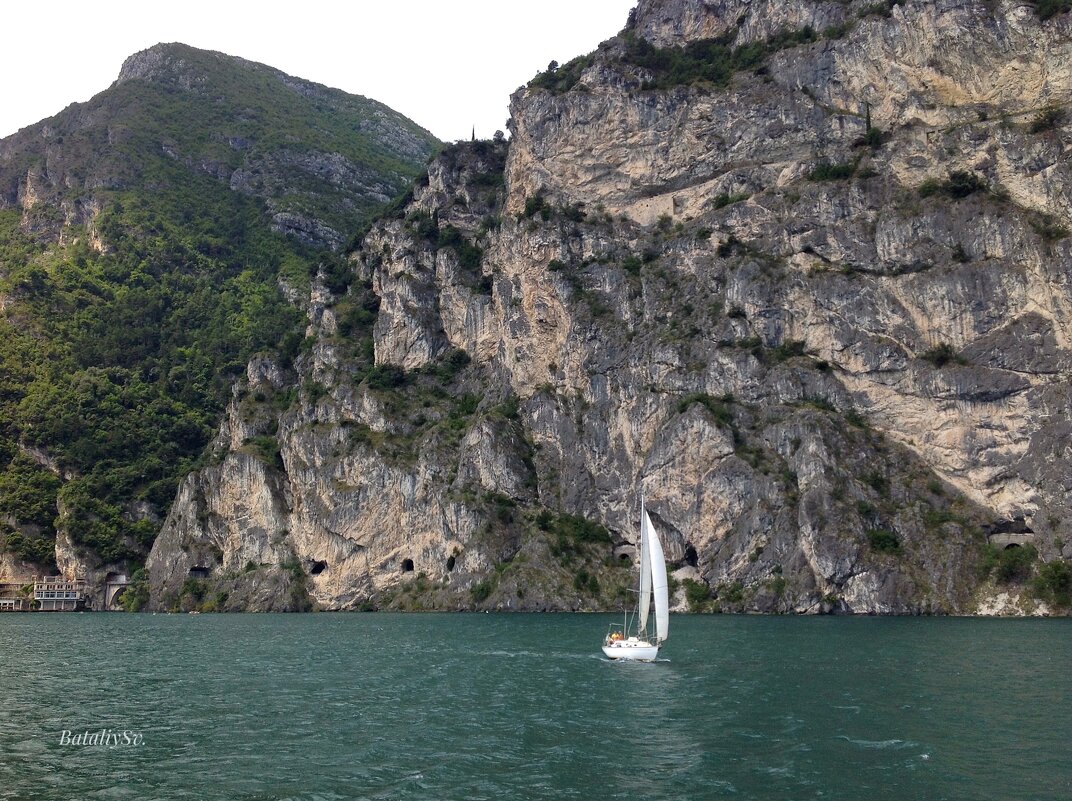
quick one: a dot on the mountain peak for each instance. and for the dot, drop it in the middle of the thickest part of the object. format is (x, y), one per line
(238, 121)
(172, 62)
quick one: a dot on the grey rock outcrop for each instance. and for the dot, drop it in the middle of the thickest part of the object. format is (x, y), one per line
(819, 317)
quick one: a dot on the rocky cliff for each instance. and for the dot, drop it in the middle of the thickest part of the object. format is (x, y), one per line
(797, 273)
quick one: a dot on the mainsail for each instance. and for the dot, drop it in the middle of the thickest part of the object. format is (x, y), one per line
(645, 569)
(657, 567)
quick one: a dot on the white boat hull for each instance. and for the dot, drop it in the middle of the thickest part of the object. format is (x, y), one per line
(637, 651)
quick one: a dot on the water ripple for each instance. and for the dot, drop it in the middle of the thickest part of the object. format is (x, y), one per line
(399, 707)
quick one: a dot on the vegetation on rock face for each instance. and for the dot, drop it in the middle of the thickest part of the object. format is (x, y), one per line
(1050, 582)
(1051, 8)
(136, 595)
(884, 541)
(718, 407)
(1011, 565)
(125, 325)
(697, 595)
(558, 79)
(469, 255)
(1047, 119)
(942, 354)
(726, 199)
(710, 61)
(482, 590)
(34, 548)
(1048, 227)
(832, 172)
(116, 364)
(571, 534)
(957, 186)
(1053, 584)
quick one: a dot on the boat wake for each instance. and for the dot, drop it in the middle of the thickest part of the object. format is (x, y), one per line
(879, 744)
(631, 661)
(514, 654)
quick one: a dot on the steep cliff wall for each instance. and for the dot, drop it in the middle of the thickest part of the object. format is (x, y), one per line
(815, 308)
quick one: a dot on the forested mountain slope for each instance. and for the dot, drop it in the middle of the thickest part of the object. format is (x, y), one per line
(151, 240)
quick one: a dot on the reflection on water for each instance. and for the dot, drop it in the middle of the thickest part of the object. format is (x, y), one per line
(511, 706)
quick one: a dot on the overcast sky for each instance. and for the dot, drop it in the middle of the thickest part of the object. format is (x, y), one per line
(446, 65)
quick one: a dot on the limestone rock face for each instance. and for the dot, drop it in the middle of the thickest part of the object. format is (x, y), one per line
(819, 317)
(15, 570)
(673, 23)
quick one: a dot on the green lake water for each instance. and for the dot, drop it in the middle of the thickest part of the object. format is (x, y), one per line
(385, 706)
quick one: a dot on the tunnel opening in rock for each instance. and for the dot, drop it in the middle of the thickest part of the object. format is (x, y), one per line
(318, 567)
(1012, 545)
(198, 572)
(407, 565)
(691, 557)
(451, 561)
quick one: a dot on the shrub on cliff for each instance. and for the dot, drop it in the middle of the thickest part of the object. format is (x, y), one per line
(1047, 119)
(832, 172)
(883, 541)
(559, 79)
(718, 407)
(1012, 565)
(266, 448)
(470, 256)
(537, 204)
(481, 591)
(136, 594)
(1053, 583)
(1051, 8)
(713, 60)
(697, 595)
(960, 184)
(941, 355)
(37, 550)
(386, 376)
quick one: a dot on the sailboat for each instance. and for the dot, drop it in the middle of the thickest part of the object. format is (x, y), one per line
(619, 643)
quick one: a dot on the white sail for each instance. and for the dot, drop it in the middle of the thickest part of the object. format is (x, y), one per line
(657, 566)
(645, 571)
